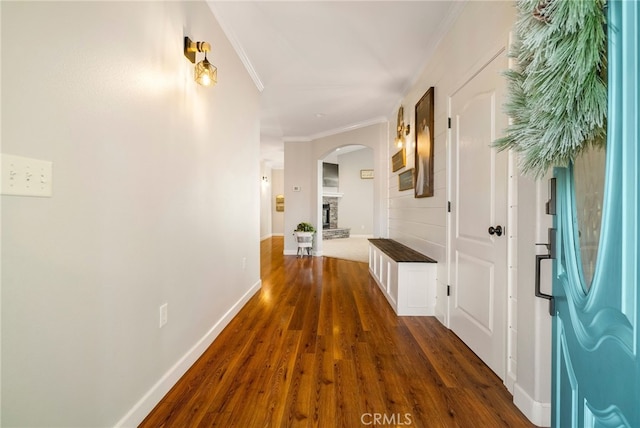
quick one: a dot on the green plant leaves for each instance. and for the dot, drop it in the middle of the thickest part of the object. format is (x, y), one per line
(557, 95)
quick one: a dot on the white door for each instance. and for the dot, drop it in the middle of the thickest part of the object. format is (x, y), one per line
(478, 258)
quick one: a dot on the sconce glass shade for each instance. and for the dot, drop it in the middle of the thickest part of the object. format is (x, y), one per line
(206, 74)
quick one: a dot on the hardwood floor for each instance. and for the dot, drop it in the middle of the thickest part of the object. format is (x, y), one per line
(319, 346)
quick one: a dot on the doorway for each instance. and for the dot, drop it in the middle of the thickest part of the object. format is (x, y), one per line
(478, 222)
(346, 202)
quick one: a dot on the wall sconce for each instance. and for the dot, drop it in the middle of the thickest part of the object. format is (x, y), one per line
(265, 179)
(206, 74)
(402, 130)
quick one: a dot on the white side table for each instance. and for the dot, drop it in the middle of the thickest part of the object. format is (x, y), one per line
(305, 242)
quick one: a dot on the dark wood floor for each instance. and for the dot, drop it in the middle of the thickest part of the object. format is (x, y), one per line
(319, 346)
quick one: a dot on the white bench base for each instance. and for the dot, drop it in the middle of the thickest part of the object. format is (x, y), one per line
(409, 287)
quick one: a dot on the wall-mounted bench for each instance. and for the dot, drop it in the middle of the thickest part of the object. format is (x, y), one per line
(406, 277)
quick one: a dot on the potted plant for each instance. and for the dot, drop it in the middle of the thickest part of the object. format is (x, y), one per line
(304, 236)
(305, 227)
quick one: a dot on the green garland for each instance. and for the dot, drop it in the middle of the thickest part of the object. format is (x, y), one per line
(557, 96)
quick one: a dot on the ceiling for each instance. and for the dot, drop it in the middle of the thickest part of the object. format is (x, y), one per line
(328, 66)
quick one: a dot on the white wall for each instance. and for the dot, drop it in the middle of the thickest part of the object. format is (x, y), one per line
(277, 188)
(297, 190)
(479, 31)
(355, 208)
(155, 199)
(303, 167)
(266, 202)
(532, 392)
(421, 223)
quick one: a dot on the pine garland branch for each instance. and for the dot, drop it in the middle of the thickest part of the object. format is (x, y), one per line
(557, 97)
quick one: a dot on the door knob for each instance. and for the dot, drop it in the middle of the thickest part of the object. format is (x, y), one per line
(495, 230)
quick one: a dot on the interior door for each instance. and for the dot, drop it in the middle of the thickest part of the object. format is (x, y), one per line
(596, 367)
(479, 212)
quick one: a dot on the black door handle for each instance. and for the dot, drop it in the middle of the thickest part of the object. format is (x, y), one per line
(495, 230)
(552, 306)
(551, 246)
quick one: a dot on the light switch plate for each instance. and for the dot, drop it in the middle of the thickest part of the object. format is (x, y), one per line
(164, 315)
(26, 177)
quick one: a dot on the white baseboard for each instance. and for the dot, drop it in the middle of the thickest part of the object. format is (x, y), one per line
(440, 317)
(277, 234)
(510, 382)
(295, 253)
(538, 413)
(142, 408)
(361, 236)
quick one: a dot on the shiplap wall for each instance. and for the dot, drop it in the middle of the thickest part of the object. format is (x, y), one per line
(420, 223)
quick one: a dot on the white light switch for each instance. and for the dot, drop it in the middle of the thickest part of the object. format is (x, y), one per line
(26, 177)
(164, 315)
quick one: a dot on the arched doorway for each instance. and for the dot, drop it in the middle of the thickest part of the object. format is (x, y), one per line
(346, 201)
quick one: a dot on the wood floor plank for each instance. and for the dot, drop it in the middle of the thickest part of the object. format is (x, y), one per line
(319, 346)
(348, 393)
(322, 401)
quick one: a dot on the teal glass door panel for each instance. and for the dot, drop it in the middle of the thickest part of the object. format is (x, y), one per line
(588, 182)
(596, 366)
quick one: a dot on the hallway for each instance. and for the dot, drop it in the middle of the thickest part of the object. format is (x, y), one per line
(320, 346)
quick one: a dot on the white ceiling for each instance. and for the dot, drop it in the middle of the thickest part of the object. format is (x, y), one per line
(327, 66)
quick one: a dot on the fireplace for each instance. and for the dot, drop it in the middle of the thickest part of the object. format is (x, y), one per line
(329, 213)
(326, 216)
(330, 228)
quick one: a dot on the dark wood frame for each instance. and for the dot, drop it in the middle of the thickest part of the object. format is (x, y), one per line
(424, 134)
(406, 180)
(399, 160)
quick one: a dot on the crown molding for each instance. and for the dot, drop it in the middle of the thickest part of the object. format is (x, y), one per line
(335, 131)
(237, 46)
(352, 127)
(443, 30)
(296, 140)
